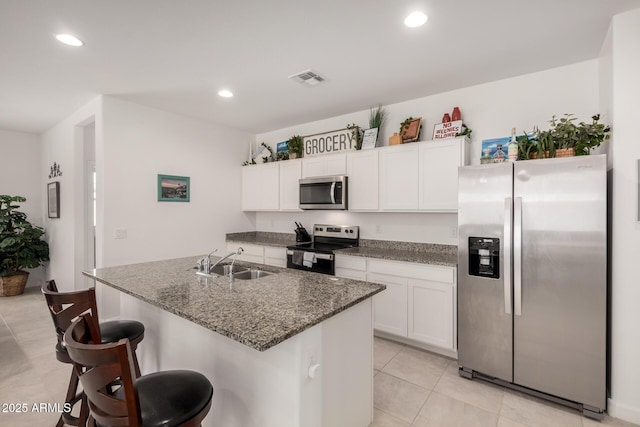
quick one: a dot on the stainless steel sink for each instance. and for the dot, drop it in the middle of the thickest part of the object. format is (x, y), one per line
(251, 274)
(224, 270)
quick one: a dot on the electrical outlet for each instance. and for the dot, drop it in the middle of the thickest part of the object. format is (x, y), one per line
(453, 231)
(121, 233)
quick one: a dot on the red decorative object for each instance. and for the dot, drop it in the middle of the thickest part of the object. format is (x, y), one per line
(455, 115)
(446, 118)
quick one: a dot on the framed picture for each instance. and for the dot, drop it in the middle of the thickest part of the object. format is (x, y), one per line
(411, 130)
(53, 199)
(369, 138)
(173, 188)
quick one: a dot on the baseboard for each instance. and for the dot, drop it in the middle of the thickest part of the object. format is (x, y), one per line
(413, 343)
(623, 412)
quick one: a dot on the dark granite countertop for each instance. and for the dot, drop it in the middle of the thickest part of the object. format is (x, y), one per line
(257, 313)
(423, 253)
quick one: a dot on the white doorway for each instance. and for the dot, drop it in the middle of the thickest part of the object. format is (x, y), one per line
(89, 201)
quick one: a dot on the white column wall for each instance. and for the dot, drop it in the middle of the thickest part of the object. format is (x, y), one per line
(142, 142)
(625, 150)
(20, 175)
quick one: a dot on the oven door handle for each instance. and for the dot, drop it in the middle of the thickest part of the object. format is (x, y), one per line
(318, 256)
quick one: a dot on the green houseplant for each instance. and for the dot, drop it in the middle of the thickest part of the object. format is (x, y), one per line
(21, 246)
(566, 138)
(357, 133)
(295, 146)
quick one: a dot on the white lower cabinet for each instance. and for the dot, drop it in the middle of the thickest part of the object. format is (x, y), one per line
(430, 312)
(419, 302)
(251, 253)
(276, 257)
(351, 267)
(390, 305)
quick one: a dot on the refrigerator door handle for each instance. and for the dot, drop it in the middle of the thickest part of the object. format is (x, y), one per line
(508, 219)
(517, 256)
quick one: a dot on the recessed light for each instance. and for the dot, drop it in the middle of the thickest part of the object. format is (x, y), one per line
(225, 93)
(415, 19)
(69, 39)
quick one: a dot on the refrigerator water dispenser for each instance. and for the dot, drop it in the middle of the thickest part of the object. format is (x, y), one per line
(484, 257)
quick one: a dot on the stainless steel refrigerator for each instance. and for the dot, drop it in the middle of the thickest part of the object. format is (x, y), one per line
(532, 279)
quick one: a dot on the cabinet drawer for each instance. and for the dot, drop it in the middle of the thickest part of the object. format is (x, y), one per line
(351, 274)
(351, 262)
(277, 253)
(412, 270)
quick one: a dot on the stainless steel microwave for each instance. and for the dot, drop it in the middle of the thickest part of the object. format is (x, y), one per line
(324, 192)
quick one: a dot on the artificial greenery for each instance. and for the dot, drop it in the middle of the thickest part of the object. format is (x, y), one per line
(283, 155)
(465, 131)
(357, 133)
(271, 157)
(247, 163)
(21, 244)
(377, 117)
(564, 133)
(295, 145)
(527, 145)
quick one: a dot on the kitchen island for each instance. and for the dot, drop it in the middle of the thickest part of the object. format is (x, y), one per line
(289, 349)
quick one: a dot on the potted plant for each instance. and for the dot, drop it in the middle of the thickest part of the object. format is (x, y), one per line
(376, 118)
(21, 246)
(357, 134)
(295, 146)
(565, 138)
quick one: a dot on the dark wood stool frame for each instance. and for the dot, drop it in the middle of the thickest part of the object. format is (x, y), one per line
(64, 307)
(100, 365)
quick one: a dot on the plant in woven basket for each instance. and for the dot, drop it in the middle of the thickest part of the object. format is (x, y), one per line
(295, 146)
(581, 138)
(21, 243)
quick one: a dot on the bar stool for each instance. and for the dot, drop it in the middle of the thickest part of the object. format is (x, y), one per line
(162, 399)
(66, 306)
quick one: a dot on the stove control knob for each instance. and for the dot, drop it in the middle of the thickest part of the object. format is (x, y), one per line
(351, 231)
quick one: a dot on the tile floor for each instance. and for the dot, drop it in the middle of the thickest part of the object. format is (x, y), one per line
(412, 387)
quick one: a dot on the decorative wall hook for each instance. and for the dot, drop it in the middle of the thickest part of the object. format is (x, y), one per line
(55, 171)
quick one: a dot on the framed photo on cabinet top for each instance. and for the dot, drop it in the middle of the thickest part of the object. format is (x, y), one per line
(53, 199)
(369, 138)
(410, 131)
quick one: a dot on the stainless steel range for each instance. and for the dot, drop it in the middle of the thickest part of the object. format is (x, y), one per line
(318, 256)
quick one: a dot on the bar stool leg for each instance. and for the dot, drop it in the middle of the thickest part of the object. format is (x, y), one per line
(72, 398)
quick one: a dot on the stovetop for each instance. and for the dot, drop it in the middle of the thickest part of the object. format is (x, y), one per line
(328, 238)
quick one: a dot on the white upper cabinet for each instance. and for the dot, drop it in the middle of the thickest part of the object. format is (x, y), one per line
(399, 178)
(362, 172)
(439, 162)
(290, 174)
(261, 187)
(332, 164)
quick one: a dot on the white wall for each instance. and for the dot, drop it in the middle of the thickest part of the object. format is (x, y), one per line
(491, 110)
(20, 175)
(625, 340)
(64, 144)
(140, 143)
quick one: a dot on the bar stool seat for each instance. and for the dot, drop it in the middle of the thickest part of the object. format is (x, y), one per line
(163, 399)
(66, 306)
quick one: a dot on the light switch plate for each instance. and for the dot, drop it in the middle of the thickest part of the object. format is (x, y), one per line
(121, 233)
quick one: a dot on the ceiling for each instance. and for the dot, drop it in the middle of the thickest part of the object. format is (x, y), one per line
(176, 55)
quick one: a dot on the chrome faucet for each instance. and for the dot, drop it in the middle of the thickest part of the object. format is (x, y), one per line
(204, 263)
(230, 254)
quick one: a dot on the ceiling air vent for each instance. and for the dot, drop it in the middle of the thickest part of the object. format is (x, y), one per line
(307, 78)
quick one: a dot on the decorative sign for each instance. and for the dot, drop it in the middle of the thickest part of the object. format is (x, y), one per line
(55, 171)
(447, 130)
(370, 138)
(329, 142)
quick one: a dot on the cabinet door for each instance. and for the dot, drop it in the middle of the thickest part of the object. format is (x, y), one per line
(431, 312)
(334, 164)
(399, 178)
(275, 256)
(390, 305)
(362, 170)
(260, 187)
(439, 162)
(290, 174)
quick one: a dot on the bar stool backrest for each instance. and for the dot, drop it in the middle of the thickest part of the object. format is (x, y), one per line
(99, 366)
(64, 307)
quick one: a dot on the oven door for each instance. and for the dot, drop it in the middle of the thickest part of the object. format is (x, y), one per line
(326, 192)
(325, 263)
